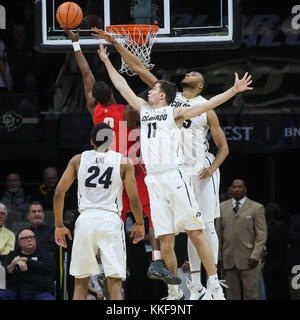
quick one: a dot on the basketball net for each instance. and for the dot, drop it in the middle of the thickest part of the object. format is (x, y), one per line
(138, 39)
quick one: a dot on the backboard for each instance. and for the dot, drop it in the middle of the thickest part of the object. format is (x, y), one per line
(183, 24)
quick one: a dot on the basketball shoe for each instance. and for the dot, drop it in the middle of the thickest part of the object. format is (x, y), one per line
(196, 294)
(214, 290)
(174, 295)
(157, 270)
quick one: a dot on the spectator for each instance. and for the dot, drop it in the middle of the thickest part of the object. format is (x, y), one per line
(5, 75)
(22, 61)
(28, 271)
(44, 233)
(45, 191)
(15, 197)
(7, 237)
(242, 234)
(275, 269)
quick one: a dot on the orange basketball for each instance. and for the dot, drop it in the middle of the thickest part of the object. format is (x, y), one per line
(69, 15)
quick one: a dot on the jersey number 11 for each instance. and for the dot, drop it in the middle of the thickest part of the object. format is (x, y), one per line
(150, 125)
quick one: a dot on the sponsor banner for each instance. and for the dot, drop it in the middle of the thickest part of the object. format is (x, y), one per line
(261, 133)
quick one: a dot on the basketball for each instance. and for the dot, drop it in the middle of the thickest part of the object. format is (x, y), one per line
(69, 15)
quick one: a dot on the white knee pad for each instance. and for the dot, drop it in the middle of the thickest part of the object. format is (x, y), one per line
(212, 238)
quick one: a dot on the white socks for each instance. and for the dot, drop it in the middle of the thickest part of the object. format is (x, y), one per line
(156, 255)
(213, 279)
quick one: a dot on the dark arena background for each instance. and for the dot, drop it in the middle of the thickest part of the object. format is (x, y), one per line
(44, 120)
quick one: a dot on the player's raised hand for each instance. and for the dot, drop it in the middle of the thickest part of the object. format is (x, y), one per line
(73, 36)
(102, 52)
(241, 85)
(101, 34)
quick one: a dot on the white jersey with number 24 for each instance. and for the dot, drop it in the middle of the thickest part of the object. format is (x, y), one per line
(99, 182)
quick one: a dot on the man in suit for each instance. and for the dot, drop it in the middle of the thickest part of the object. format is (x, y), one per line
(242, 232)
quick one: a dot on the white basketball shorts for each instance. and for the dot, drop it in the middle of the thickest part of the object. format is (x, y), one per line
(172, 202)
(207, 191)
(101, 229)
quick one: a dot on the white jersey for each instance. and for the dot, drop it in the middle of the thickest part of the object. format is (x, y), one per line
(194, 141)
(160, 139)
(99, 182)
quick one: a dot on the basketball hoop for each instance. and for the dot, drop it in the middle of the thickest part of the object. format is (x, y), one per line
(138, 39)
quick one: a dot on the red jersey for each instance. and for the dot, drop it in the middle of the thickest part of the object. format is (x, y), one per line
(124, 140)
(113, 115)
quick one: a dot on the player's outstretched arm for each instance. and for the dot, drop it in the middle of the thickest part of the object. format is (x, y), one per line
(138, 230)
(87, 75)
(240, 85)
(119, 81)
(134, 63)
(62, 187)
